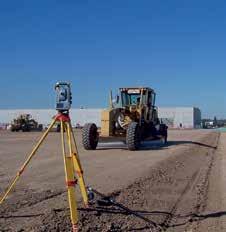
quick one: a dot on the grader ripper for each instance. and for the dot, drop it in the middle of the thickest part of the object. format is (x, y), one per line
(132, 118)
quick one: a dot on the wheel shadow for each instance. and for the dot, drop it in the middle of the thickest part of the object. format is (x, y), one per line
(151, 145)
(172, 143)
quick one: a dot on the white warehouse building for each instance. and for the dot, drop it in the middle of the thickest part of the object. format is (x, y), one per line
(181, 117)
(174, 117)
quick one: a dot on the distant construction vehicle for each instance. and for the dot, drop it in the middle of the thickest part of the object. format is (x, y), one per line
(25, 123)
(132, 118)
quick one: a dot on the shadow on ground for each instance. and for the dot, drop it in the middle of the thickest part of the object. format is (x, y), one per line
(150, 145)
(187, 218)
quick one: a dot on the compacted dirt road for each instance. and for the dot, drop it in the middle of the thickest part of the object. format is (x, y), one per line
(178, 187)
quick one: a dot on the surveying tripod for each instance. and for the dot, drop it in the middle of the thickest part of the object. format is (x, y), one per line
(72, 165)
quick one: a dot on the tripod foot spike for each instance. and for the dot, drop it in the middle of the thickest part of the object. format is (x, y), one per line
(75, 228)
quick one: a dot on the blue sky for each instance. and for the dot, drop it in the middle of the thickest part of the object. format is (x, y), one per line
(178, 47)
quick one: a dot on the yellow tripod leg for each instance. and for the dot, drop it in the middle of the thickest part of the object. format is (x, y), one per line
(9, 189)
(71, 182)
(75, 147)
(77, 165)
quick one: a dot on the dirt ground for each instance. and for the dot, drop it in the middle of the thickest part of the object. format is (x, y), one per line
(178, 187)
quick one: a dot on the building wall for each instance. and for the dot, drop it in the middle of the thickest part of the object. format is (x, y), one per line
(44, 116)
(188, 117)
(176, 117)
(184, 117)
(167, 115)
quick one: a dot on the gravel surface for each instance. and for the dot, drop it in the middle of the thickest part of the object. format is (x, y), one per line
(177, 187)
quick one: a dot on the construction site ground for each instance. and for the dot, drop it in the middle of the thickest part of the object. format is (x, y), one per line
(179, 187)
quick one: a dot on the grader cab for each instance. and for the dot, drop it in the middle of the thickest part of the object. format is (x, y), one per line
(132, 117)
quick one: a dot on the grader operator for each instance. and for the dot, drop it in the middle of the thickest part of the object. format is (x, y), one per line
(133, 118)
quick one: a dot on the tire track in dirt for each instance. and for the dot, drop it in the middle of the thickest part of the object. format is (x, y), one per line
(168, 221)
(199, 188)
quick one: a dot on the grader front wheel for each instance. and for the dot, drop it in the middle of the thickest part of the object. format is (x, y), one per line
(90, 136)
(133, 136)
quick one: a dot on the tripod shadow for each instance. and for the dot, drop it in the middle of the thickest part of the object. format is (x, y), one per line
(187, 218)
(196, 218)
(115, 211)
(21, 216)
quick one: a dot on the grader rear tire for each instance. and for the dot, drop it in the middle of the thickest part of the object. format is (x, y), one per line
(133, 136)
(90, 136)
(164, 139)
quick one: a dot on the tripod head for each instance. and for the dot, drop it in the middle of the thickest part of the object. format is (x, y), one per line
(63, 96)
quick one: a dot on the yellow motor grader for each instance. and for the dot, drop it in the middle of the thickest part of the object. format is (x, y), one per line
(25, 123)
(131, 118)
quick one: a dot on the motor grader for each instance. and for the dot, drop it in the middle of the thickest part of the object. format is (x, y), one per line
(132, 117)
(25, 123)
